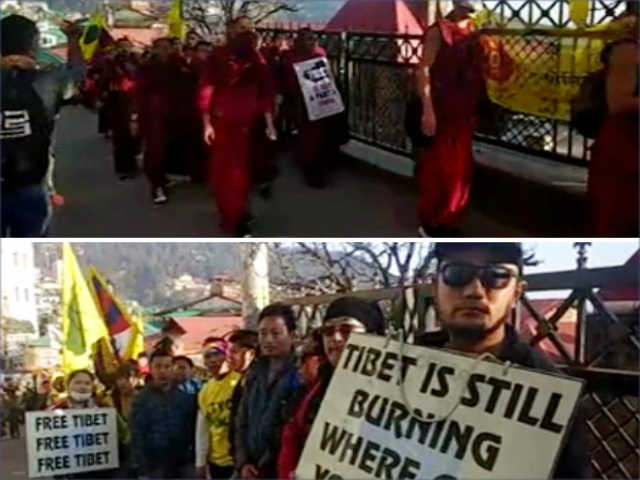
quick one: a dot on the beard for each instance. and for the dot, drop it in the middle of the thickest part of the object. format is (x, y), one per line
(469, 331)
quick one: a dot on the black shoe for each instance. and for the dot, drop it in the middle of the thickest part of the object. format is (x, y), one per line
(243, 230)
(266, 191)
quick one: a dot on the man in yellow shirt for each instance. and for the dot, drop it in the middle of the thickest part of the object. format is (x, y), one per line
(213, 446)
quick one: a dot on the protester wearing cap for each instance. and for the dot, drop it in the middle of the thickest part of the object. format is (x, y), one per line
(477, 286)
(344, 316)
(213, 448)
(215, 356)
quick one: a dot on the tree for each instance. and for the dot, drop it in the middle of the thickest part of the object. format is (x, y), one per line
(197, 12)
(321, 268)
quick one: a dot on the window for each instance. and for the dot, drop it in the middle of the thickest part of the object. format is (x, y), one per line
(17, 294)
(26, 294)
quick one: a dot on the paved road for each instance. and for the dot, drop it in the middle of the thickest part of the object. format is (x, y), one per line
(361, 202)
(13, 459)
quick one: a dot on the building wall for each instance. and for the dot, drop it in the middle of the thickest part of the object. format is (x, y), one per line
(18, 282)
(41, 358)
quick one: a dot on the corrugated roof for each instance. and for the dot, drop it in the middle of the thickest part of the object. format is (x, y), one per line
(191, 331)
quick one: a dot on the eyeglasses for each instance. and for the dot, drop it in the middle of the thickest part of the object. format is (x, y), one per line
(490, 276)
(344, 329)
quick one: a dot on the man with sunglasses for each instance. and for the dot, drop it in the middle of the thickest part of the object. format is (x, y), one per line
(477, 287)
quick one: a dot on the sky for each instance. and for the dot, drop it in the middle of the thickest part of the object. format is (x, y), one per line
(560, 255)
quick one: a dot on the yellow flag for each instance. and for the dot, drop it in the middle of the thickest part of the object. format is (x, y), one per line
(177, 25)
(136, 347)
(82, 325)
(91, 36)
(579, 12)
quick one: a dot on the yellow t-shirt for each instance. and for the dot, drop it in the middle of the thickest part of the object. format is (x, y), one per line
(214, 401)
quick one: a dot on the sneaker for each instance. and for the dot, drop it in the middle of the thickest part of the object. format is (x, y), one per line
(159, 196)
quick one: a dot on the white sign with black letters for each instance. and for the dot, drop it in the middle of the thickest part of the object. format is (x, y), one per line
(60, 442)
(321, 96)
(492, 421)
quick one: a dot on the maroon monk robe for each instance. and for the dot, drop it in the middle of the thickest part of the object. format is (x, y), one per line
(122, 72)
(445, 166)
(318, 141)
(236, 94)
(155, 90)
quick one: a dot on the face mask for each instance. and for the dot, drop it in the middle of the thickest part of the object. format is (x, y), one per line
(81, 397)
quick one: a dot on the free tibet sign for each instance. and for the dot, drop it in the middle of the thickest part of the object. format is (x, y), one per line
(458, 418)
(321, 96)
(61, 442)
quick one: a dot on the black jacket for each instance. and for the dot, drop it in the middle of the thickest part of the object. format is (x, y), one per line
(573, 461)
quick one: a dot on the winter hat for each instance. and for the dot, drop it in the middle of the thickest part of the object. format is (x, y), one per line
(368, 313)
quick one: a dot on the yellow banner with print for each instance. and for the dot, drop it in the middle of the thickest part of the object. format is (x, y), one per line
(540, 72)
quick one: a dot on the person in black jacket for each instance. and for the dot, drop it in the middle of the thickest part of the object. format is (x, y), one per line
(31, 99)
(163, 425)
(477, 287)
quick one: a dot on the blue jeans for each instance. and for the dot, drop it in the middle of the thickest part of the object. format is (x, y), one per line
(26, 212)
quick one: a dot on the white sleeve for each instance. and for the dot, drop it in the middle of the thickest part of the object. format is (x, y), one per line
(202, 440)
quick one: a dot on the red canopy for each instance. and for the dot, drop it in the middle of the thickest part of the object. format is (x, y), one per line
(380, 16)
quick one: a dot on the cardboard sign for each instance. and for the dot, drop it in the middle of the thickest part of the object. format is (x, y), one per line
(321, 96)
(60, 442)
(491, 422)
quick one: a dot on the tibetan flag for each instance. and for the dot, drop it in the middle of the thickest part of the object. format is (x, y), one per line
(92, 35)
(579, 12)
(175, 19)
(82, 325)
(123, 330)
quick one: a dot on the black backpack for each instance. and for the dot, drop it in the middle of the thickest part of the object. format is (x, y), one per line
(25, 130)
(589, 107)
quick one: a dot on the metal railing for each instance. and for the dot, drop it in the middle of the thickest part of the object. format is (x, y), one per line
(610, 400)
(375, 73)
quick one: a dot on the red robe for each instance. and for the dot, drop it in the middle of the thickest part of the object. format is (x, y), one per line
(613, 178)
(318, 140)
(445, 166)
(236, 93)
(122, 72)
(160, 103)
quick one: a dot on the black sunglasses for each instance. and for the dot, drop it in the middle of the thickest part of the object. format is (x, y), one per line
(490, 276)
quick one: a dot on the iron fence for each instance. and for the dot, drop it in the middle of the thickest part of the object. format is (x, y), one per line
(610, 400)
(375, 73)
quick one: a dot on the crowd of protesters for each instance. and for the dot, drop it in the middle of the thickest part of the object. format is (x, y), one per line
(215, 113)
(194, 111)
(197, 111)
(249, 412)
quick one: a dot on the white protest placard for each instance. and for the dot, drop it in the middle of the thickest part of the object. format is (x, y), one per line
(492, 421)
(60, 442)
(321, 96)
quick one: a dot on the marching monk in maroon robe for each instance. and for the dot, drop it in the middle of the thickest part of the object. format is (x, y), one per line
(157, 89)
(450, 84)
(236, 101)
(122, 72)
(613, 170)
(319, 140)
